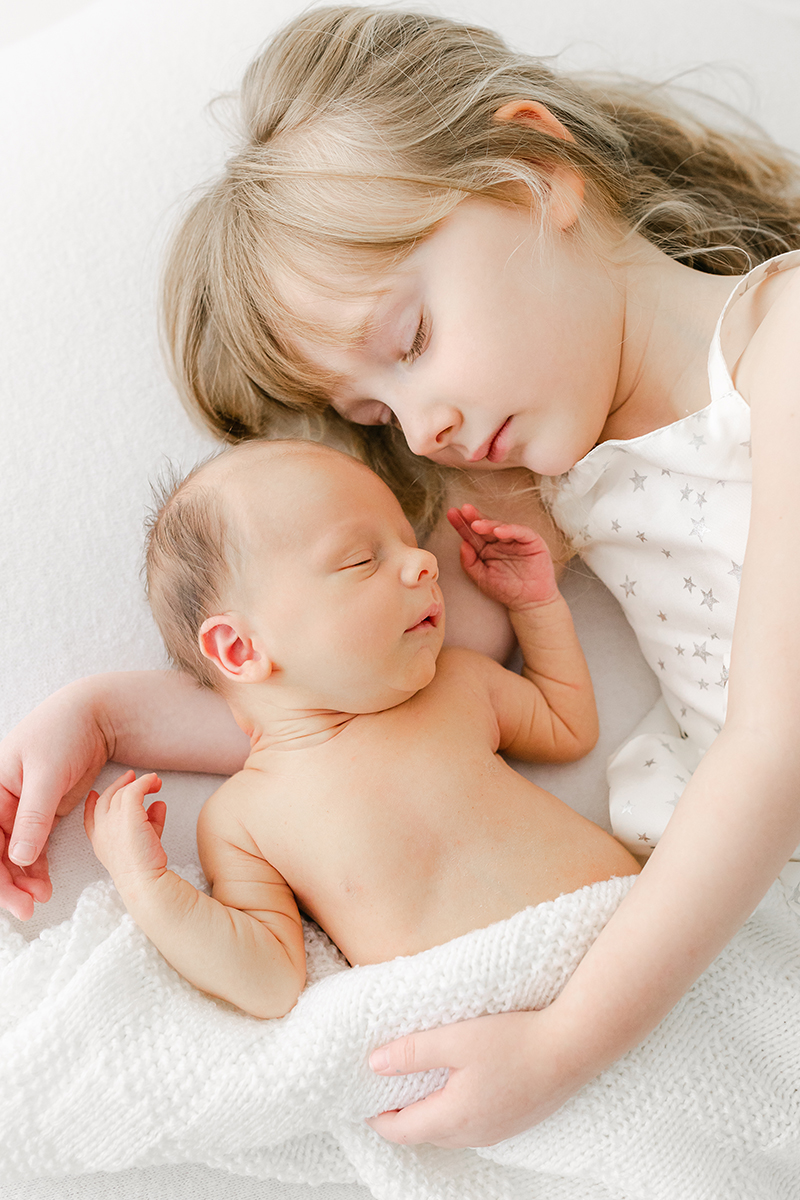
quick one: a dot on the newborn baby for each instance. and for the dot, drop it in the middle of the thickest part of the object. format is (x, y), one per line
(285, 575)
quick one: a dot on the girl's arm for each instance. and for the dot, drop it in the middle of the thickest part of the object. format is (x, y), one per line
(733, 830)
(155, 719)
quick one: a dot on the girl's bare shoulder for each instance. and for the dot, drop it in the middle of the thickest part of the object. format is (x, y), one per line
(770, 362)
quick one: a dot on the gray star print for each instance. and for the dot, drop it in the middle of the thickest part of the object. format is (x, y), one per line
(638, 481)
(698, 440)
(689, 583)
(701, 652)
(629, 585)
(686, 492)
(701, 499)
(698, 528)
(736, 570)
(709, 599)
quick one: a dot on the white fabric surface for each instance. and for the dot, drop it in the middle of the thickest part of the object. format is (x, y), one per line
(103, 127)
(141, 1069)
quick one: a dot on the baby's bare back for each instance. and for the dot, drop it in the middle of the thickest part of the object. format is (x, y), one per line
(408, 828)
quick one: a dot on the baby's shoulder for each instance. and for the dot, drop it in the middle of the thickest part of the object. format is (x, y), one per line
(224, 812)
(459, 667)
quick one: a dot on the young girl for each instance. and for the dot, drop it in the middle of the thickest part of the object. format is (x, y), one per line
(431, 236)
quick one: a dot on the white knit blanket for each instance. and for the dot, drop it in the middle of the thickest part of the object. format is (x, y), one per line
(108, 1060)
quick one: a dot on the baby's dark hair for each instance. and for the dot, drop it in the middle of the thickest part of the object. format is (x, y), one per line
(187, 567)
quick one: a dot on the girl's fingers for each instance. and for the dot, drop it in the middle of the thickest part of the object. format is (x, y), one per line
(39, 797)
(88, 813)
(415, 1052)
(420, 1122)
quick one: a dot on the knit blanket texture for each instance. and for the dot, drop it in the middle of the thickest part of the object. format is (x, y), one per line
(109, 1060)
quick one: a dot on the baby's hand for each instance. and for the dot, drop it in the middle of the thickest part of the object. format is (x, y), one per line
(510, 563)
(125, 836)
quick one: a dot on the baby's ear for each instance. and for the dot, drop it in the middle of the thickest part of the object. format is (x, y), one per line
(227, 641)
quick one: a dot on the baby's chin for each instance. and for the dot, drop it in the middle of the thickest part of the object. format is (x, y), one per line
(383, 695)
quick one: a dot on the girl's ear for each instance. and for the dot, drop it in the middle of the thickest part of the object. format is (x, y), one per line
(227, 642)
(567, 185)
(531, 112)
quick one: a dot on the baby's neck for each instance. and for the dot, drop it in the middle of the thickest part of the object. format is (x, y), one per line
(275, 726)
(284, 730)
(278, 715)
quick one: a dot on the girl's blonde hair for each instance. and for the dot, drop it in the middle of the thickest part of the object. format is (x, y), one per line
(364, 128)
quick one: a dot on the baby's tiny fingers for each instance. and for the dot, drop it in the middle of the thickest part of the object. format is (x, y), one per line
(119, 783)
(509, 533)
(157, 815)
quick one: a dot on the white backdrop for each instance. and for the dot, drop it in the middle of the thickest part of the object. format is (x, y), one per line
(104, 129)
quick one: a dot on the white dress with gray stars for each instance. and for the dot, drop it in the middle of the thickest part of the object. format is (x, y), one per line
(662, 519)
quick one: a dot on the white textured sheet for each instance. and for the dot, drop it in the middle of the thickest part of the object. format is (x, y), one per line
(103, 128)
(141, 1069)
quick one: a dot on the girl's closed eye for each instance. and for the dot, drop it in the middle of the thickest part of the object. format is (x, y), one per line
(420, 343)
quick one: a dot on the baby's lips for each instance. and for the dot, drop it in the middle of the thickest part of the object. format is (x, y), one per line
(433, 613)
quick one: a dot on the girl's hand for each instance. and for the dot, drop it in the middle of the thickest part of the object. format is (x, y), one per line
(507, 1072)
(46, 764)
(125, 836)
(509, 563)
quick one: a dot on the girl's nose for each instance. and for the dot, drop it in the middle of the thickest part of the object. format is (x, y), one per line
(430, 431)
(420, 566)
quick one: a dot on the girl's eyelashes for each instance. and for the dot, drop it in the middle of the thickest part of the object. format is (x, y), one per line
(420, 342)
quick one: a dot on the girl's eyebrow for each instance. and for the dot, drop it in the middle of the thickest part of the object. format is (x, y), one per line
(380, 315)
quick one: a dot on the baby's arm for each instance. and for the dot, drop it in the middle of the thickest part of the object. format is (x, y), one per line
(555, 720)
(244, 943)
(147, 718)
(474, 619)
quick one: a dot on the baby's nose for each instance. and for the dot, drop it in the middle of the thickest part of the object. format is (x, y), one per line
(419, 566)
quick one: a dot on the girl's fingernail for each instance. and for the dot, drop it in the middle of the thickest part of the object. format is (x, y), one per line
(379, 1059)
(23, 853)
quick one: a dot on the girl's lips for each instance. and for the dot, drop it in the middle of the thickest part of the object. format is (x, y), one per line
(493, 449)
(499, 447)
